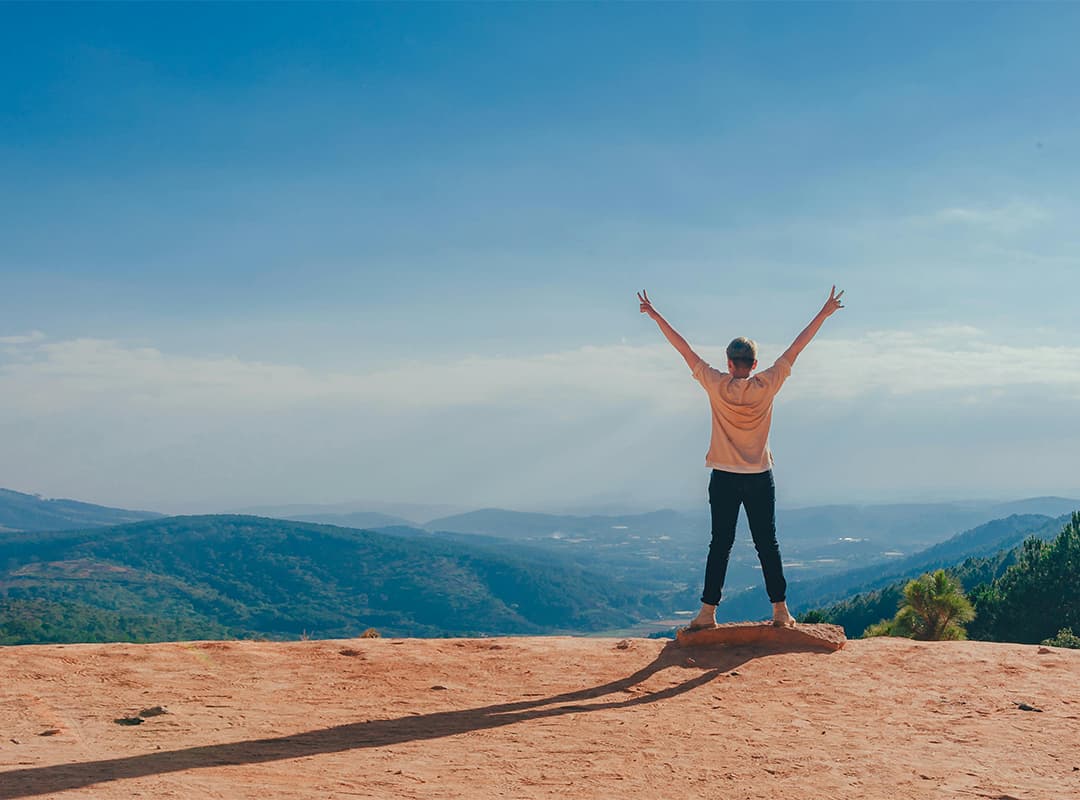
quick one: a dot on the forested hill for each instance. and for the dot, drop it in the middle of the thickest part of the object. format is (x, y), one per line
(256, 576)
(1026, 594)
(983, 541)
(29, 512)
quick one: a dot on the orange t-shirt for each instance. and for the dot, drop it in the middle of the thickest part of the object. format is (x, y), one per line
(741, 416)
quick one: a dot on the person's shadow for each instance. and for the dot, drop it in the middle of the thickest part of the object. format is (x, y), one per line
(707, 663)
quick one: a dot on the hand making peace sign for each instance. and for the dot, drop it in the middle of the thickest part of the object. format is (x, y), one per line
(646, 304)
(833, 303)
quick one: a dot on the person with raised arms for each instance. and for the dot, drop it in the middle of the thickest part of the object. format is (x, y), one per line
(739, 455)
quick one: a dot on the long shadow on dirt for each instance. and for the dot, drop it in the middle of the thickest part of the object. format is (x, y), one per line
(707, 663)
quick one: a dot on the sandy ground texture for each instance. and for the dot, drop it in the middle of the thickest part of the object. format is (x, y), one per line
(539, 717)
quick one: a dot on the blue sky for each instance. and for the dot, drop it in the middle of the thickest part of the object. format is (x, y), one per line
(388, 253)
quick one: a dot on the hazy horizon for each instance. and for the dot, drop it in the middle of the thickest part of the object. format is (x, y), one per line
(266, 254)
(420, 513)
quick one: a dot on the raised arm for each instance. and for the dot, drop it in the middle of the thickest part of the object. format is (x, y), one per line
(672, 335)
(803, 339)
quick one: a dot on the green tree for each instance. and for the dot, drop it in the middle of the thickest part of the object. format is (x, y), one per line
(1037, 596)
(1065, 638)
(934, 608)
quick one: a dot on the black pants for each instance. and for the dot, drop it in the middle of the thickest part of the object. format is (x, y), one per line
(757, 493)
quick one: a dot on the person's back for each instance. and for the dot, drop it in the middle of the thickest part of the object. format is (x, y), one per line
(739, 455)
(741, 414)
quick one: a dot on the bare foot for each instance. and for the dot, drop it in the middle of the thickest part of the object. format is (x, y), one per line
(706, 618)
(781, 617)
(701, 625)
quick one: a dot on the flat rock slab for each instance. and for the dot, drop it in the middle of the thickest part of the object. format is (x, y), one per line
(818, 636)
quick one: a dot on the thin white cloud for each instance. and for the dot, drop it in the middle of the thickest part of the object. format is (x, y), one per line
(1009, 218)
(934, 360)
(87, 372)
(67, 374)
(28, 338)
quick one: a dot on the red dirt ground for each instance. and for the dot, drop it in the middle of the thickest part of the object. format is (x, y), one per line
(540, 717)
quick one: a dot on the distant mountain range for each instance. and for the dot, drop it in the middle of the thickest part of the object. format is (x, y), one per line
(909, 525)
(31, 512)
(364, 520)
(404, 513)
(664, 550)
